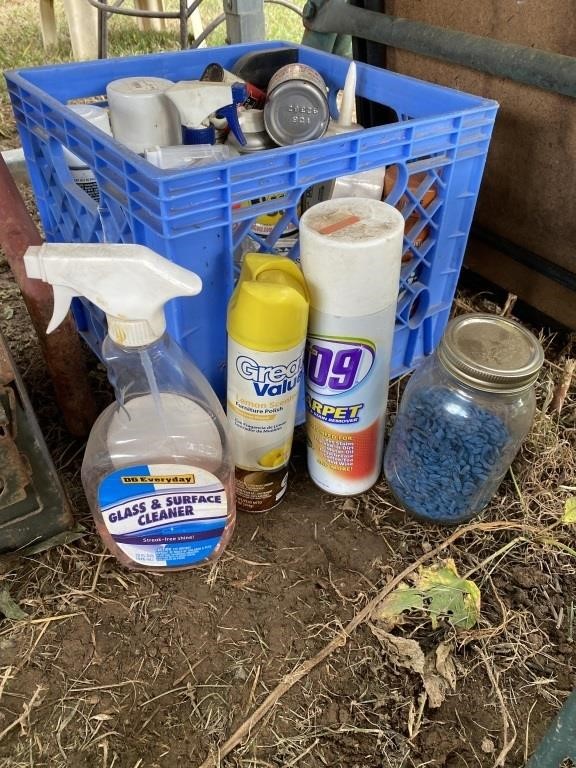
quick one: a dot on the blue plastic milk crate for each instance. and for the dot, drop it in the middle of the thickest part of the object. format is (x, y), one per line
(199, 218)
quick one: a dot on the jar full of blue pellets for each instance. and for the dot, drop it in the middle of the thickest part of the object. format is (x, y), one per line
(462, 419)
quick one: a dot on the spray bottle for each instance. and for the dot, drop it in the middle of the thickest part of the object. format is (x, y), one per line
(205, 107)
(361, 184)
(350, 251)
(157, 471)
(267, 319)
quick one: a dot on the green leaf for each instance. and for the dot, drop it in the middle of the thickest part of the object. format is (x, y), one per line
(440, 592)
(449, 596)
(569, 515)
(404, 598)
(9, 608)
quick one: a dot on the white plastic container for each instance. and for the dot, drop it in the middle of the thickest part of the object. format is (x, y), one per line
(141, 114)
(368, 183)
(81, 173)
(350, 251)
(189, 155)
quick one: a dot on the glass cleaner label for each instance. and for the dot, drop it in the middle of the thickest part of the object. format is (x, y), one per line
(164, 515)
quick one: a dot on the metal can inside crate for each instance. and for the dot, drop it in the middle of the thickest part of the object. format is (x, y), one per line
(296, 108)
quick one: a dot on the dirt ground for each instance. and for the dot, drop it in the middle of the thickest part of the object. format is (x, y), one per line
(120, 670)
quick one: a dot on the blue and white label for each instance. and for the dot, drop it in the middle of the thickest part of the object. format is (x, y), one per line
(337, 365)
(164, 515)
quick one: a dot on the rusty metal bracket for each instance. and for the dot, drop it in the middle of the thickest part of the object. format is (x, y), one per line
(33, 505)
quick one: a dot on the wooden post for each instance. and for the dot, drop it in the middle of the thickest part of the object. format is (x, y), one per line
(83, 24)
(48, 23)
(147, 24)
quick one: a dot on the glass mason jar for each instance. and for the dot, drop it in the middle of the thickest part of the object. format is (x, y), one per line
(462, 419)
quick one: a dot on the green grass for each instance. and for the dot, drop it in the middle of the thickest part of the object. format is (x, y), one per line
(21, 41)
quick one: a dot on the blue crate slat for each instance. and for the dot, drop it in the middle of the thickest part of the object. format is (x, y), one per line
(199, 218)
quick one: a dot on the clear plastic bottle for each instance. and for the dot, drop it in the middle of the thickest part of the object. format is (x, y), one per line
(462, 419)
(166, 421)
(158, 471)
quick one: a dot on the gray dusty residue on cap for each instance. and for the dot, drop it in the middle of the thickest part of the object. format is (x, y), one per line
(498, 348)
(371, 224)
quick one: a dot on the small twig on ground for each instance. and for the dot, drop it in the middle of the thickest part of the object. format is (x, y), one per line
(499, 552)
(509, 305)
(25, 713)
(47, 620)
(527, 736)
(507, 721)
(5, 678)
(563, 386)
(302, 669)
(518, 491)
(299, 757)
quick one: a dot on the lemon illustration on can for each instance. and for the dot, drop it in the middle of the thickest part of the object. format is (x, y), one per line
(275, 458)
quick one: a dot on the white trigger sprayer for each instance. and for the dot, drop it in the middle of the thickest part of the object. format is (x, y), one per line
(203, 104)
(130, 283)
(157, 472)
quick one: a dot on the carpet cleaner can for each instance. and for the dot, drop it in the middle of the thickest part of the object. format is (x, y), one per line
(267, 320)
(350, 251)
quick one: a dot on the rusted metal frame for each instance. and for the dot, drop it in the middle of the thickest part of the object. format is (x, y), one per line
(62, 350)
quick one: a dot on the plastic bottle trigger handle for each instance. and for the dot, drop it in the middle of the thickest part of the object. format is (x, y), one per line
(130, 283)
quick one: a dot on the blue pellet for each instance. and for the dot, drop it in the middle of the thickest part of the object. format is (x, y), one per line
(449, 453)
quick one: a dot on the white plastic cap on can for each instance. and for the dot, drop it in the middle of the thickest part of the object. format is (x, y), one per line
(141, 114)
(351, 253)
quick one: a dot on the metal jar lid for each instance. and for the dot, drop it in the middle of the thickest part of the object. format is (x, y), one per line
(491, 353)
(296, 111)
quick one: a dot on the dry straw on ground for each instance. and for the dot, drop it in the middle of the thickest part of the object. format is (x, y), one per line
(74, 694)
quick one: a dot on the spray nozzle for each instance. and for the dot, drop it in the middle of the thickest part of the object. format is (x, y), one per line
(345, 123)
(130, 283)
(197, 101)
(348, 97)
